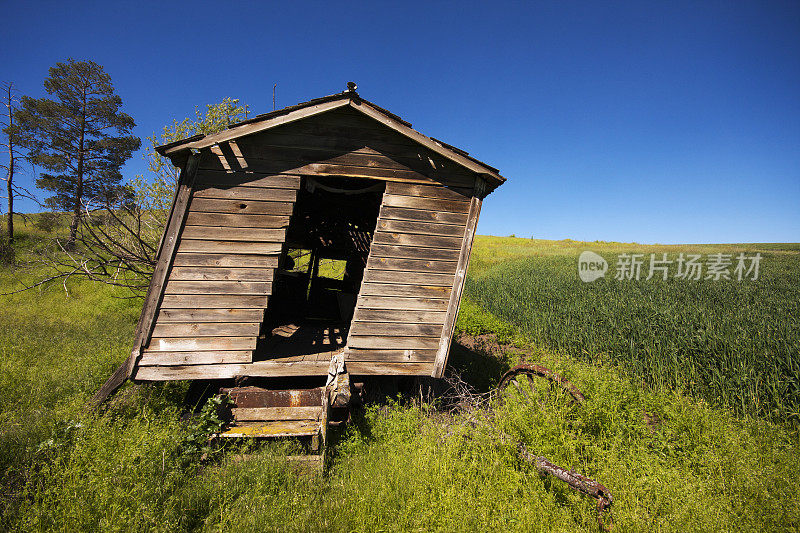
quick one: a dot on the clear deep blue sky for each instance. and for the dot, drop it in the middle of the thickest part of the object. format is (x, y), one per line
(651, 122)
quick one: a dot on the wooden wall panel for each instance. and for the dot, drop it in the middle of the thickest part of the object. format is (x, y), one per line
(458, 285)
(218, 289)
(403, 303)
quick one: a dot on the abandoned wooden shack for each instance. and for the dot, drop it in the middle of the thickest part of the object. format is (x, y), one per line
(326, 230)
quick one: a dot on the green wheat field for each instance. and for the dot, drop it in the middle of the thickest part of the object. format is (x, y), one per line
(691, 418)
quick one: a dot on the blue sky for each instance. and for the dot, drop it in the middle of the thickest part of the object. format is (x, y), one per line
(650, 122)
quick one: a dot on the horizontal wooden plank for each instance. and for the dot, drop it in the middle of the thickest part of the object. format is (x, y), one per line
(237, 221)
(411, 265)
(399, 356)
(240, 207)
(413, 252)
(294, 167)
(394, 343)
(370, 368)
(422, 215)
(237, 192)
(226, 260)
(182, 273)
(406, 291)
(398, 303)
(227, 371)
(247, 179)
(206, 329)
(268, 369)
(259, 156)
(214, 301)
(154, 358)
(407, 316)
(395, 329)
(429, 191)
(409, 278)
(234, 234)
(210, 315)
(223, 371)
(433, 204)
(275, 428)
(408, 239)
(422, 228)
(177, 344)
(218, 287)
(249, 414)
(186, 372)
(229, 247)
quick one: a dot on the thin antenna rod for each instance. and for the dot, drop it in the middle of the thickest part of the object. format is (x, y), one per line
(273, 96)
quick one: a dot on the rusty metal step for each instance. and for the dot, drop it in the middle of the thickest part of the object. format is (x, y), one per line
(260, 397)
(277, 413)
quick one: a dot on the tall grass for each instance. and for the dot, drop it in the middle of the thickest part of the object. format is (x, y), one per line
(404, 468)
(734, 343)
(671, 462)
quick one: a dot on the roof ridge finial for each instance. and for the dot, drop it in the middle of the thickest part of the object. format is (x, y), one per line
(351, 86)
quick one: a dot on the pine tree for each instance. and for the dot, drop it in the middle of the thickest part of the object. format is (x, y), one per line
(117, 238)
(72, 137)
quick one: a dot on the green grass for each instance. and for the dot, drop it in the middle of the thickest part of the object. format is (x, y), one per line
(733, 343)
(400, 467)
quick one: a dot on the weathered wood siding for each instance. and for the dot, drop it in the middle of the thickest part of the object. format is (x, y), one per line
(339, 143)
(221, 276)
(220, 280)
(403, 304)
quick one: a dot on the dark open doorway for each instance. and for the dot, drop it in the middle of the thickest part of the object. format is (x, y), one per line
(320, 272)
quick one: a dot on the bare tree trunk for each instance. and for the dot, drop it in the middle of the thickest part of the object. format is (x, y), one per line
(9, 181)
(76, 210)
(11, 163)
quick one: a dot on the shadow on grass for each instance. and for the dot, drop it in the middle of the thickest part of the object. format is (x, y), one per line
(476, 364)
(480, 362)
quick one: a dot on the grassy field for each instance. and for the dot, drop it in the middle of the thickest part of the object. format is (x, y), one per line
(734, 343)
(672, 459)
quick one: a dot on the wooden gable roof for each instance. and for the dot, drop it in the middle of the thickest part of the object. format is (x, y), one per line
(178, 151)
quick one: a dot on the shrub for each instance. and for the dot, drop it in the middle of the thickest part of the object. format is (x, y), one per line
(47, 221)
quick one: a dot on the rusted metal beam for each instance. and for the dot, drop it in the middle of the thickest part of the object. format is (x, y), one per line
(249, 397)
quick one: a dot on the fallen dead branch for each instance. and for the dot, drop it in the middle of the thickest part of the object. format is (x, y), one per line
(460, 396)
